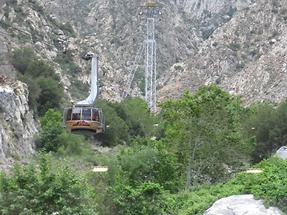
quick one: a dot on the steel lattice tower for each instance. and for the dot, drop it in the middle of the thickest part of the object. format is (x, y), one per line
(150, 57)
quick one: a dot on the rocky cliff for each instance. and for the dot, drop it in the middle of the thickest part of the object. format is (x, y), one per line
(61, 30)
(17, 126)
(246, 56)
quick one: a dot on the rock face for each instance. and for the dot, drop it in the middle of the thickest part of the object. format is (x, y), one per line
(241, 205)
(116, 31)
(17, 126)
(238, 44)
(246, 56)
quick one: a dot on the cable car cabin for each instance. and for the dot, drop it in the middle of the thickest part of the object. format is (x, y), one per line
(84, 120)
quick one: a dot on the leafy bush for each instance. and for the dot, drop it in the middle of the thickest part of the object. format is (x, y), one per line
(135, 112)
(44, 89)
(131, 168)
(51, 130)
(66, 62)
(51, 95)
(67, 28)
(267, 126)
(147, 198)
(21, 59)
(116, 128)
(269, 186)
(125, 121)
(142, 163)
(54, 138)
(45, 189)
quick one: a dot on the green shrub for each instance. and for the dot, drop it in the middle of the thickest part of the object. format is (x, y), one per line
(126, 121)
(68, 29)
(51, 95)
(21, 59)
(147, 198)
(267, 126)
(116, 128)
(44, 89)
(54, 138)
(67, 64)
(51, 130)
(135, 112)
(269, 186)
(45, 188)
(151, 162)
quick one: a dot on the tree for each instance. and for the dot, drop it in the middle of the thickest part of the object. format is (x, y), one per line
(52, 128)
(267, 126)
(135, 112)
(204, 131)
(126, 121)
(51, 95)
(116, 128)
(45, 91)
(54, 138)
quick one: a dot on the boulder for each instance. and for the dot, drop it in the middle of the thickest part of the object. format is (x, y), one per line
(241, 205)
(282, 152)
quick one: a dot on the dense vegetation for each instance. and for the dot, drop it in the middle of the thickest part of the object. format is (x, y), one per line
(176, 162)
(45, 91)
(47, 188)
(269, 186)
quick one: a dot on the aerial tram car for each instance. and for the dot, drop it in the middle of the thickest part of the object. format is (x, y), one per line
(83, 117)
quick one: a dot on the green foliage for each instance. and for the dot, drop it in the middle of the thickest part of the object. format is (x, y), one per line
(116, 128)
(267, 126)
(126, 120)
(67, 64)
(203, 130)
(147, 198)
(44, 89)
(51, 95)
(269, 186)
(51, 130)
(44, 189)
(21, 59)
(130, 170)
(134, 111)
(53, 137)
(142, 163)
(67, 28)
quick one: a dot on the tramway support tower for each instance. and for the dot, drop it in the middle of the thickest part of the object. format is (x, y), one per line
(150, 11)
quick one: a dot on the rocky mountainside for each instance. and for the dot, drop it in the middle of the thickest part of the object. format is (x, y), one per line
(186, 32)
(17, 126)
(246, 56)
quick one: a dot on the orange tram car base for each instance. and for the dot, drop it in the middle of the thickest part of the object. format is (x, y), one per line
(84, 120)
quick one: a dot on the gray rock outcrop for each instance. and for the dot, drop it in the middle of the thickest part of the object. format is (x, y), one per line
(241, 205)
(17, 126)
(282, 152)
